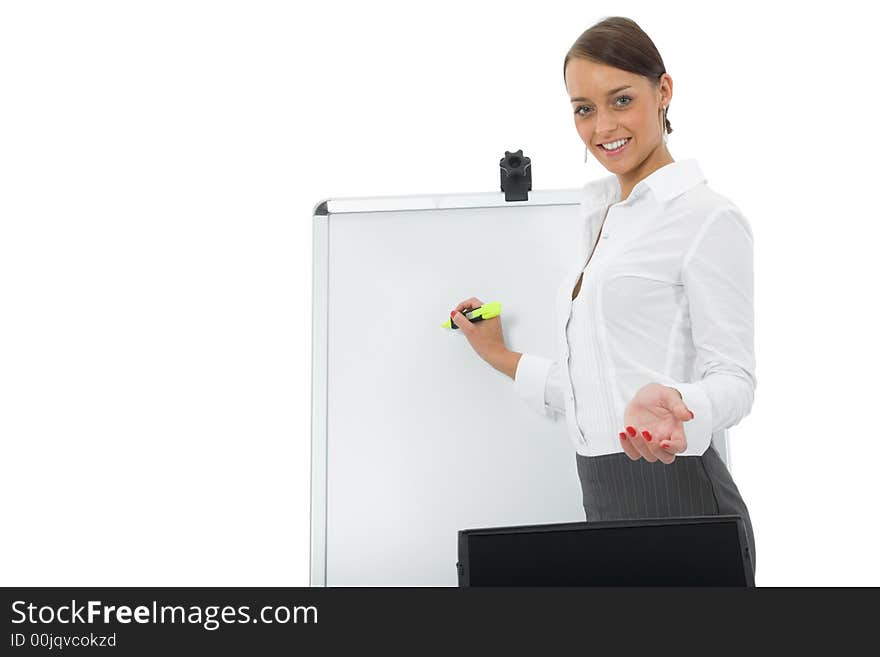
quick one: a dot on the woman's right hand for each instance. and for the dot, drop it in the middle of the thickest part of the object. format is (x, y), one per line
(486, 336)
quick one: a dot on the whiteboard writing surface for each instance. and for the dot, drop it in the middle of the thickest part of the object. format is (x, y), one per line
(414, 436)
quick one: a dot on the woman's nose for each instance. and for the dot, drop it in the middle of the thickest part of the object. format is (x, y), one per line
(605, 124)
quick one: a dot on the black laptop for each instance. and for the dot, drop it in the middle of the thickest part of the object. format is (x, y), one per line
(692, 551)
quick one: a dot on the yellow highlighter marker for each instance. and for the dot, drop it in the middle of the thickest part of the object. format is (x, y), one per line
(486, 311)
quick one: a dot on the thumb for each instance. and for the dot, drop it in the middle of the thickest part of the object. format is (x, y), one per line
(681, 411)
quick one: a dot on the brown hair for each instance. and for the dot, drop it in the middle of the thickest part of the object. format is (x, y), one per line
(618, 41)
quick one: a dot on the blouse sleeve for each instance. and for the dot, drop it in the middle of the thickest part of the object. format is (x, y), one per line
(538, 381)
(717, 273)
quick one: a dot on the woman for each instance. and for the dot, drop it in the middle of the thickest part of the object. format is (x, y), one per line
(656, 332)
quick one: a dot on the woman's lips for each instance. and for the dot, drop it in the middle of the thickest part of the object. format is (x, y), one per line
(618, 151)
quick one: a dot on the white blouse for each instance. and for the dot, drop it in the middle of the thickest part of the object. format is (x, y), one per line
(666, 297)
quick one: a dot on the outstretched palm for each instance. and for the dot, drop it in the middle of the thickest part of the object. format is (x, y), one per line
(657, 415)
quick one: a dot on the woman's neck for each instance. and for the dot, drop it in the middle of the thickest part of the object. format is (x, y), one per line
(659, 158)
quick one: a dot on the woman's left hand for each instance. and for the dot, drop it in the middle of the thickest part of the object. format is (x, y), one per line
(654, 422)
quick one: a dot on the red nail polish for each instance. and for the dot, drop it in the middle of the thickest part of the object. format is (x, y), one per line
(631, 431)
(622, 436)
(647, 436)
(692, 415)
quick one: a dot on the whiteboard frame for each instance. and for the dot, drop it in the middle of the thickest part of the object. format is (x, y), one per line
(441, 201)
(320, 313)
(318, 484)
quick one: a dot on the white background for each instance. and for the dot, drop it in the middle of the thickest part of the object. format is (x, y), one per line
(159, 162)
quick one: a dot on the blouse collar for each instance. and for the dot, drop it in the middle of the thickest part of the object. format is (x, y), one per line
(666, 183)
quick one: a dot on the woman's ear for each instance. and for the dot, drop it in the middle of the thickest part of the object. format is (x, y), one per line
(665, 90)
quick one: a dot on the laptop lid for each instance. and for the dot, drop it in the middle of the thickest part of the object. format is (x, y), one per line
(692, 551)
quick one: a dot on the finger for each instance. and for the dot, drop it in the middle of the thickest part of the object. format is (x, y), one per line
(637, 442)
(640, 443)
(662, 454)
(628, 447)
(463, 307)
(461, 321)
(468, 304)
(677, 442)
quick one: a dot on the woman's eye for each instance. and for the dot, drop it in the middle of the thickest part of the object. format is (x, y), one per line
(584, 107)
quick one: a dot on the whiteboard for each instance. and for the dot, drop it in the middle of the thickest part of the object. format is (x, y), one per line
(414, 436)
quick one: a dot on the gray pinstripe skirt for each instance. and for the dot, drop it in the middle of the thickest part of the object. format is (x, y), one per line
(616, 487)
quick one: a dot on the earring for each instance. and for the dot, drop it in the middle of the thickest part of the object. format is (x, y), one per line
(665, 140)
(586, 152)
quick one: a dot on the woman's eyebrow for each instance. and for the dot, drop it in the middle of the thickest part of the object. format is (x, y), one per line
(613, 91)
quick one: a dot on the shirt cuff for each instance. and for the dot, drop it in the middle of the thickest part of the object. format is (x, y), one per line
(530, 381)
(698, 431)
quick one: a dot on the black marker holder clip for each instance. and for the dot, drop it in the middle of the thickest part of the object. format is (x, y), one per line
(516, 176)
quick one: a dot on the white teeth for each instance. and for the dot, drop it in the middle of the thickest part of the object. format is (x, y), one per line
(614, 144)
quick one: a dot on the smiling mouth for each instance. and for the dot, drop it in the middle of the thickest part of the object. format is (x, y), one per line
(618, 149)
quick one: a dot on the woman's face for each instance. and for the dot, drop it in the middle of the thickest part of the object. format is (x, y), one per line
(610, 104)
